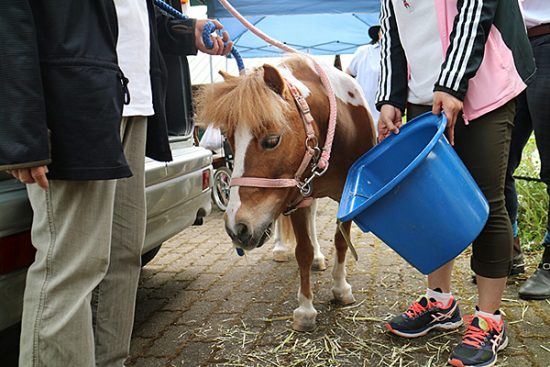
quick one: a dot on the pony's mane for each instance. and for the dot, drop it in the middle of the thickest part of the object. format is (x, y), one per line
(241, 100)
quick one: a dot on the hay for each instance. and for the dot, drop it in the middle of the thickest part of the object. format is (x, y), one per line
(350, 339)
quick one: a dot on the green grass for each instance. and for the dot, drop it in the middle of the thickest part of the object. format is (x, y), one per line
(533, 199)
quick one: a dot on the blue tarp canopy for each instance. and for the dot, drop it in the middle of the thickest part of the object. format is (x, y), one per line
(318, 27)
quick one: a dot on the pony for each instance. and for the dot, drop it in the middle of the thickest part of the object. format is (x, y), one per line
(267, 126)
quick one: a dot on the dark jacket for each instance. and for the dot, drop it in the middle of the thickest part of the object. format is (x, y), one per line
(174, 38)
(60, 82)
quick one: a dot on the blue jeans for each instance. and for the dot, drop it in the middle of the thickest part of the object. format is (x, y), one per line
(532, 114)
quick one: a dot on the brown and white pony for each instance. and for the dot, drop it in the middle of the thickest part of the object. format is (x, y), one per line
(259, 115)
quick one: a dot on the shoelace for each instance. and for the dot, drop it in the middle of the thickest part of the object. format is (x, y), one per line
(474, 335)
(417, 309)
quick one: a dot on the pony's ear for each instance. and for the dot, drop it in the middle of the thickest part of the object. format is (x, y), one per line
(226, 76)
(273, 79)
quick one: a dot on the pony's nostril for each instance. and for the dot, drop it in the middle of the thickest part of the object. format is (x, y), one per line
(242, 232)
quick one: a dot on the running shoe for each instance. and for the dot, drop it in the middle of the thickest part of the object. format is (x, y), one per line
(483, 339)
(425, 315)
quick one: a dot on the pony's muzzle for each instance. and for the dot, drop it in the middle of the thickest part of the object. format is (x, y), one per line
(241, 235)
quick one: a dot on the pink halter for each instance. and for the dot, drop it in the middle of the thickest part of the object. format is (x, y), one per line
(313, 153)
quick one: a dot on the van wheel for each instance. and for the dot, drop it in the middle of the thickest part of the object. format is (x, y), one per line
(220, 191)
(149, 255)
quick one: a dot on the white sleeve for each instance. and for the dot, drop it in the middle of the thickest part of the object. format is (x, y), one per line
(352, 67)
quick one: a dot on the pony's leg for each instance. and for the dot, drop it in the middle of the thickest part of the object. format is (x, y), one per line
(304, 315)
(341, 289)
(319, 262)
(283, 239)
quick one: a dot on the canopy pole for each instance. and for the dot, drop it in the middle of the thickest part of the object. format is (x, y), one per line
(211, 68)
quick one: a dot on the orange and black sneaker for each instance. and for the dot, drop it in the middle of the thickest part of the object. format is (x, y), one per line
(425, 315)
(483, 339)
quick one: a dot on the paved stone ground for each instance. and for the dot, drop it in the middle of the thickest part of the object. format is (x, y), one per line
(199, 304)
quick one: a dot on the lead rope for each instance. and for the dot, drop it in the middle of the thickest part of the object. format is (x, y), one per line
(208, 29)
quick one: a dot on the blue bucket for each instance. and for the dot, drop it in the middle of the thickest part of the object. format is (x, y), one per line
(415, 194)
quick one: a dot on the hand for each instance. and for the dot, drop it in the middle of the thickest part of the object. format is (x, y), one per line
(390, 121)
(32, 175)
(452, 107)
(222, 45)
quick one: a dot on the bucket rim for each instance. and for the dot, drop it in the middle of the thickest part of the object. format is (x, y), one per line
(440, 120)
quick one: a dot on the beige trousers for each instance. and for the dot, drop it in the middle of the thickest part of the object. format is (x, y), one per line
(80, 292)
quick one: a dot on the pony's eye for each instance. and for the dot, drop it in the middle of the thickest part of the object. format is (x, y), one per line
(270, 141)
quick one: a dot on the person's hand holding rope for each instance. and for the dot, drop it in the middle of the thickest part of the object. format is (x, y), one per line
(221, 45)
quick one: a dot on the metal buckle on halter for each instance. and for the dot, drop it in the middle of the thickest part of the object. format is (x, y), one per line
(313, 147)
(545, 266)
(299, 98)
(305, 187)
(310, 139)
(304, 107)
(318, 173)
(315, 157)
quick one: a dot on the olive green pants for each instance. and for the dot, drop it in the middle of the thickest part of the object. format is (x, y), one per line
(484, 145)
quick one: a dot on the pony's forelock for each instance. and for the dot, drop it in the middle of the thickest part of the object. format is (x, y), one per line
(244, 100)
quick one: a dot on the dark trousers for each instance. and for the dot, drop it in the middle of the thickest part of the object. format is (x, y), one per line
(483, 146)
(533, 113)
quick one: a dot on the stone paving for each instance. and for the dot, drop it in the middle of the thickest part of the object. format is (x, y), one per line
(199, 304)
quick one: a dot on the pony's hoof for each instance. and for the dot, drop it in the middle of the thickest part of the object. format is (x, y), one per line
(303, 325)
(343, 295)
(344, 300)
(319, 264)
(280, 256)
(304, 319)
